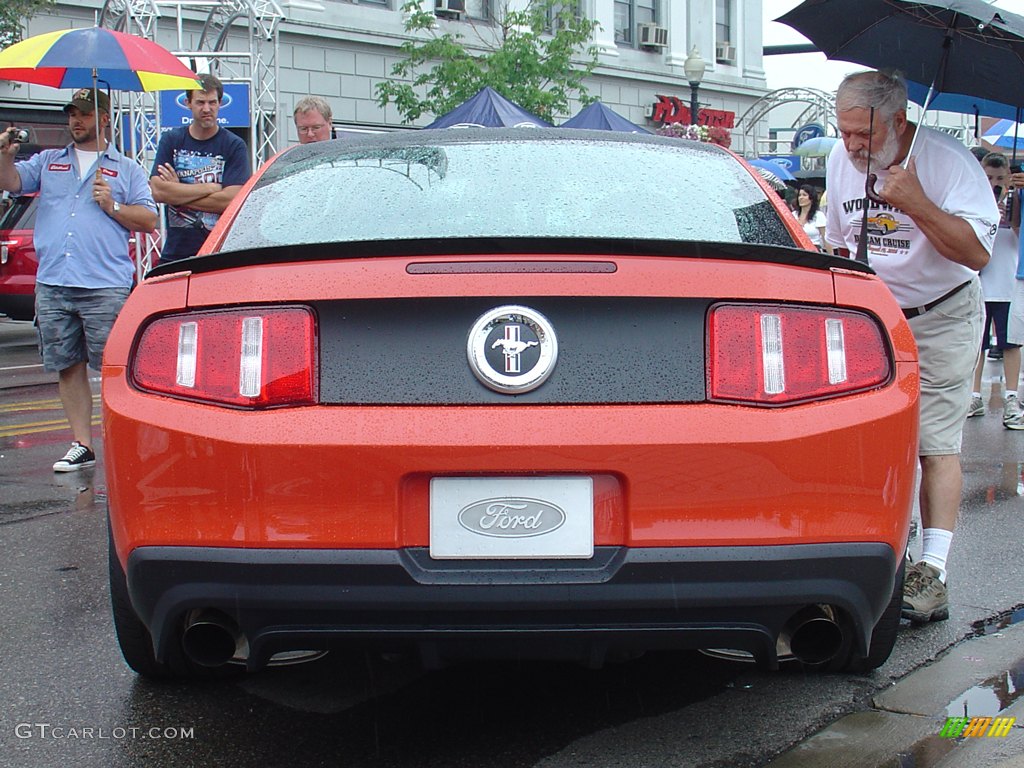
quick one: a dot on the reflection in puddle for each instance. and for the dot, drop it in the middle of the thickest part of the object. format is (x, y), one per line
(925, 753)
(82, 484)
(1009, 486)
(1001, 621)
(990, 697)
(85, 498)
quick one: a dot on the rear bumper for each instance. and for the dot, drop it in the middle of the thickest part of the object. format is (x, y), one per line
(697, 597)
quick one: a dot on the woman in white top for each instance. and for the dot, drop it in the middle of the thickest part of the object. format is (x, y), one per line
(810, 217)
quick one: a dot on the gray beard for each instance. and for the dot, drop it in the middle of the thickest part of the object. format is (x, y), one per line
(882, 158)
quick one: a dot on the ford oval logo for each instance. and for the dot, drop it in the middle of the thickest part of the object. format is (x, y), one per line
(511, 518)
(182, 101)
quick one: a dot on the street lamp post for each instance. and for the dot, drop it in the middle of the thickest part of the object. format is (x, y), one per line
(693, 68)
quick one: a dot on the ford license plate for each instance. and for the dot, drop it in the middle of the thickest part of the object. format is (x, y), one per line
(511, 518)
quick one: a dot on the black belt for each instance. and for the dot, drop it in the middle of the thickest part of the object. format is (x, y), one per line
(910, 312)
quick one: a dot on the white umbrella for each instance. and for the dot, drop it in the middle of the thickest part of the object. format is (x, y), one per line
(819, 146)
(773, 181)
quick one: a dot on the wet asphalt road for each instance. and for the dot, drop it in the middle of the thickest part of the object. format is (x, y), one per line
(66, 697)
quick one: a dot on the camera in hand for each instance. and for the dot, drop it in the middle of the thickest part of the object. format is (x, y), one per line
(17, 135)
(1015, 168)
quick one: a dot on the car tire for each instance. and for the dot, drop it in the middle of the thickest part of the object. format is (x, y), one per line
(883, 636)
(132, 636)
(137, 644)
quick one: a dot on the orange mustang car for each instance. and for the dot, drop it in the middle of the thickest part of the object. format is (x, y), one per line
(521, 393)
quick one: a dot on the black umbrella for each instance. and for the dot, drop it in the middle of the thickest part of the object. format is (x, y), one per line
(965, 47)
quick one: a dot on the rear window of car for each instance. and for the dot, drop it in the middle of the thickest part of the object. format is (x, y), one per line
(664, 189)
(21, 214)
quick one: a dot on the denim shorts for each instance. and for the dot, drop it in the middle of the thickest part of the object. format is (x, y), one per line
(74, 323)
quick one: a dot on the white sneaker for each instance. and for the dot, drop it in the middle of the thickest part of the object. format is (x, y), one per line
(977, 407)
(1013, 415)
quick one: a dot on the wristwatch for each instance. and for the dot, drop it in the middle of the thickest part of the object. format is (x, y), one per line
(117, 206)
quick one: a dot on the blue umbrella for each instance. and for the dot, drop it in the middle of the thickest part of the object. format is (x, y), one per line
(957, 102)
(775, 168)
(489, 109)
(1006, 134)
(598, 117)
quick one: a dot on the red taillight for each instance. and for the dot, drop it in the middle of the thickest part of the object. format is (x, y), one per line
(254, 358)
(779, 354)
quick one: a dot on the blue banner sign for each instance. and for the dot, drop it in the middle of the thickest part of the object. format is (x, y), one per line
(234, 107)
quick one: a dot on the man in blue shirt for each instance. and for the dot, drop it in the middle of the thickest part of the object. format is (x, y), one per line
(90, 198)
(198, 170)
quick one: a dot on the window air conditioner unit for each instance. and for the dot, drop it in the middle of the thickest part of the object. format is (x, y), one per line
(449, 7)
(652, 36)
(725, 52)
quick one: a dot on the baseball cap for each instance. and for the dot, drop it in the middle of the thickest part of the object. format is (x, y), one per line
(83, 99)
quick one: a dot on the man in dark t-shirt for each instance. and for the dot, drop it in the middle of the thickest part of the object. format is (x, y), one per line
(199, 168)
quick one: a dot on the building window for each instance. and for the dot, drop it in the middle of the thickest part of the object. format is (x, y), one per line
(630, 13)
(725, 45)
(478, 9)
(576, 7)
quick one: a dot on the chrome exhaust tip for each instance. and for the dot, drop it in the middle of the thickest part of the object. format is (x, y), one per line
(211, 639)
(812, 635)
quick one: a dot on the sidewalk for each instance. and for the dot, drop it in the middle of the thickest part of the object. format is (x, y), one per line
(980, 677)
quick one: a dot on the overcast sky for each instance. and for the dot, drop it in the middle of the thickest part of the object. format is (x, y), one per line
(813, 70)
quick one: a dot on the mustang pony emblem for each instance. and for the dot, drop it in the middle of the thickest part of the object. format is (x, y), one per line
(512, 346)
(512, 349)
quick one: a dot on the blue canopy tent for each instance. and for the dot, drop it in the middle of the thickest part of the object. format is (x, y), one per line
(489, 109)
(598, 117)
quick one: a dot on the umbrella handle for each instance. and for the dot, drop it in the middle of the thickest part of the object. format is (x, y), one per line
(869, 190)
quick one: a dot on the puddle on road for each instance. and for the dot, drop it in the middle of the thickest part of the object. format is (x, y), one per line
(1000, 482)
(999, 622)
(82, 496)
(990, 697)
(924, 754)
(1010, 484)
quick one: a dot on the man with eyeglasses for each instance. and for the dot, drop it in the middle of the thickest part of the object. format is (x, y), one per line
(312, 119)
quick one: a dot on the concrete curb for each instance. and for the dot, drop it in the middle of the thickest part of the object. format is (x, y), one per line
(979, 677)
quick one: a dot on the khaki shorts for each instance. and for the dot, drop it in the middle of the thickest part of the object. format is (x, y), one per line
(948, 343)
(1015, 325)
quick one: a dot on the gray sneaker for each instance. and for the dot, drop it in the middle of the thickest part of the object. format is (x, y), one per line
(924, 595)
(1013, 416)
(977, 407)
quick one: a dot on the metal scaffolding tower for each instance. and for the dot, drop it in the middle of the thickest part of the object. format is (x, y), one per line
(813, 106)
(251, 57)
(262, 20)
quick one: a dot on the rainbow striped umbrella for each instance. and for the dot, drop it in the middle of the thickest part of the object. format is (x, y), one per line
(79, 58)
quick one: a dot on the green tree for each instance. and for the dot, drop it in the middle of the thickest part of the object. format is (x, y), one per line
(12, 14)
(527, 56)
